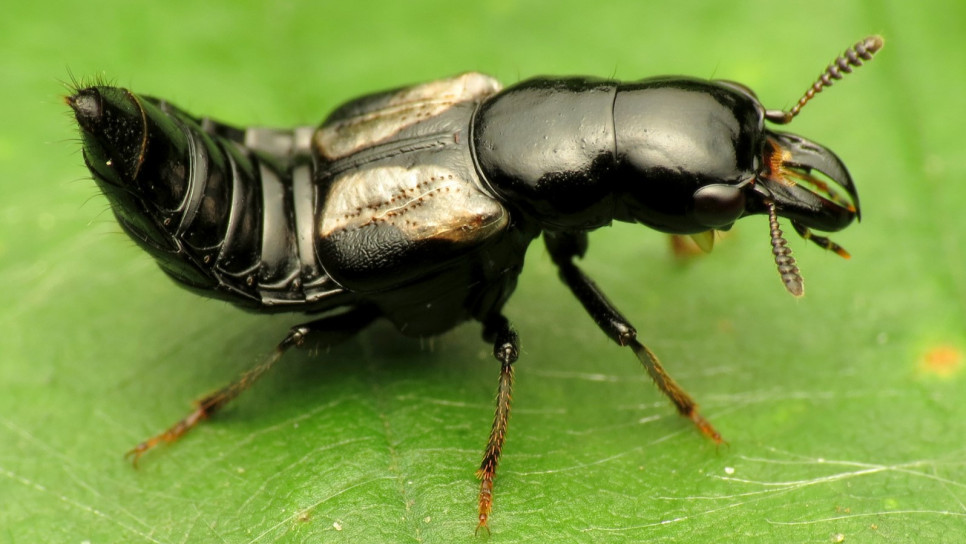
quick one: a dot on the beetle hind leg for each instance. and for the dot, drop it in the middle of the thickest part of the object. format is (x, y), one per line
(329, 330)
(506, 349)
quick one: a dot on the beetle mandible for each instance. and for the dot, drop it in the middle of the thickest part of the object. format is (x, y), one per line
(418, 204)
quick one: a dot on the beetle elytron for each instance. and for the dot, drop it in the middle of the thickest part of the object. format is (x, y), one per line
(417, 204)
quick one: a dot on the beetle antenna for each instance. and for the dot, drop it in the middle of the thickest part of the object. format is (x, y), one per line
(853, 57)
(787, 268)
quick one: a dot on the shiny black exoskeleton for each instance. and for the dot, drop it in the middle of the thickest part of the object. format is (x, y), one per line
(418, 204)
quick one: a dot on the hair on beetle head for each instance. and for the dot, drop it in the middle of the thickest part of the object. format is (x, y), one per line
(787, 269)
(853, 57)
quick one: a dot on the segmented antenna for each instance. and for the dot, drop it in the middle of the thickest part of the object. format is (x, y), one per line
(854, 56)
(787, 268)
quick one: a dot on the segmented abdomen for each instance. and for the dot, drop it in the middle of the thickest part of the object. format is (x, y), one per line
(248, 214)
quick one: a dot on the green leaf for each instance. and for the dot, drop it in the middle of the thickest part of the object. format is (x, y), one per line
(844, 412)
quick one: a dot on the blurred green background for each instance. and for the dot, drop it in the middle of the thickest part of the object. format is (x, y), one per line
(844, 411)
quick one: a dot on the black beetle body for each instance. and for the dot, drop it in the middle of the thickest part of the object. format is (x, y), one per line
(418, 204)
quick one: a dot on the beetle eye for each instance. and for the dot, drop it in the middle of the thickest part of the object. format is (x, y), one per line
(718, 205)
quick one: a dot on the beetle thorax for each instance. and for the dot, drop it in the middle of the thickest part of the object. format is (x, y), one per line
(546, 148)
(580, 153)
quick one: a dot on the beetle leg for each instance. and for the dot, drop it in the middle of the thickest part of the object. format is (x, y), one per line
(506, 349)
(617, 327)
(329, 330)
(686, 247)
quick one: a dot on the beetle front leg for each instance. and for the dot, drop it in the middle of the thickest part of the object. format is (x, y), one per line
(506, 349)
(329, 330)
(563, 248)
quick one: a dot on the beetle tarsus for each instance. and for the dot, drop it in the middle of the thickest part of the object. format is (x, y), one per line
(168, 436)
(215, 401)
(506, 348)
(679, 397)
(335, 328)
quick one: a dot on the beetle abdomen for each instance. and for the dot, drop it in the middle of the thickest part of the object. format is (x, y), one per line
(224, 211)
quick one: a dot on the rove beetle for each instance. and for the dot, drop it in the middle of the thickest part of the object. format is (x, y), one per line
(417, 204)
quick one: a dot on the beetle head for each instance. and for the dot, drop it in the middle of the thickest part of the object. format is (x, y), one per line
(709, 160)
(797, 179)
(805, 181)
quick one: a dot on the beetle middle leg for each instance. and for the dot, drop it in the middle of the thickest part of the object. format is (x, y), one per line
(506, 349)
(563, 248)
(329, 330)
